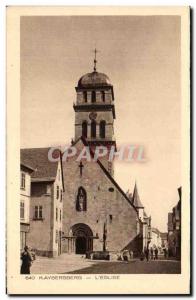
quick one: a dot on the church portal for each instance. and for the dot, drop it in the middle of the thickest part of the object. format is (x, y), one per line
(82, 238)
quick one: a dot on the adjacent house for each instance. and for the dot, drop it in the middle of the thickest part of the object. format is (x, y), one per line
(164, 242)
(143, 217)
(46, 205)
(174, 229)
(156, 240)
(25, 193)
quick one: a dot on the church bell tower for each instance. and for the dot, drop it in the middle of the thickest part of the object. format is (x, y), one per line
(95, 111)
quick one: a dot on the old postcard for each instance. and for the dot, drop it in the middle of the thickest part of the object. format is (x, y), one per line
(98, 150)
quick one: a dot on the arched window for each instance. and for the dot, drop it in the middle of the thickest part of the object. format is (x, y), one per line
(103, 96)
(84, 129)
(81, 200)
(93, 96)
(85, 96)
(102, 129)
(93, 129)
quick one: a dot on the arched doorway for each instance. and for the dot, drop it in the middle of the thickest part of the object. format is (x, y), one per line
(83, 238)
(81, 245)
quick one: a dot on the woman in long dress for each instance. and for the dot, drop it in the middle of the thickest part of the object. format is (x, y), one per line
(26, 261)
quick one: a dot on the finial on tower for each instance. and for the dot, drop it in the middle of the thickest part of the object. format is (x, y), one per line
(95, 60)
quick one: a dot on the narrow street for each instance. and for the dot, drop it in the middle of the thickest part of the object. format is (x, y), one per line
(77, 264)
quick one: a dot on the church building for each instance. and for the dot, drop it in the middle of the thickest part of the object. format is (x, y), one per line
(83, 209)
(98, 215)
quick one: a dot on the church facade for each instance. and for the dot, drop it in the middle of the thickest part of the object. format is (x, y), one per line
(98, 215)
(93, 213)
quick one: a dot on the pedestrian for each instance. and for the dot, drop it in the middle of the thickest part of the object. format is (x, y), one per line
(156, 253)
(125, 255)
(146, 252)
(26, 261)
(151, 253)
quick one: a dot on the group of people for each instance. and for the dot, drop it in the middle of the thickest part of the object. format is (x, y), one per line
(151, 253)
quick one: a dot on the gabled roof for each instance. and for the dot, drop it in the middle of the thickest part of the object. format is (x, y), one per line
(136, 199)
(105, 171)
(38, 159)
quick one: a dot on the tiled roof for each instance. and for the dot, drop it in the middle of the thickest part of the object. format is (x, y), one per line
(38, 159)
(136, 198)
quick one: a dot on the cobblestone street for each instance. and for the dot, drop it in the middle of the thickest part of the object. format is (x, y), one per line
(63, 264)
(77, 264)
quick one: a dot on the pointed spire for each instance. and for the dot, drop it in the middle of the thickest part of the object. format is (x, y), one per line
(136, 198)
(129, 195)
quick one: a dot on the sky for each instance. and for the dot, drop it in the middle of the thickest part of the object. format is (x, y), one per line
(141, 56)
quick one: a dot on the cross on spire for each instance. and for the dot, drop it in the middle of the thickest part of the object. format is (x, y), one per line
(95, 60)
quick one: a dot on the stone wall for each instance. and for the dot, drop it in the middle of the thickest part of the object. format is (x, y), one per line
(45, 234)
(40, 234)
(108, 96)
(101, 115)
(57, 207)
(105, 203)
